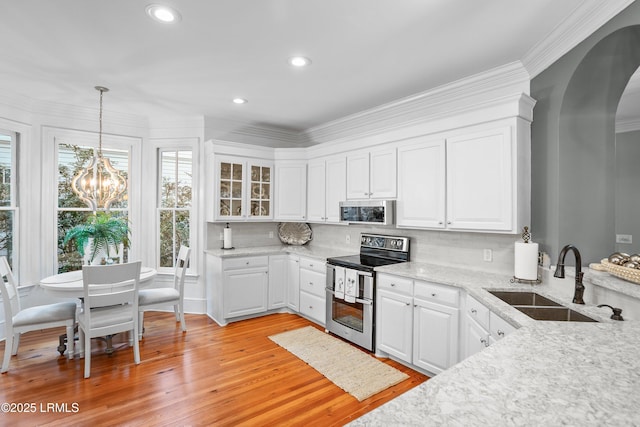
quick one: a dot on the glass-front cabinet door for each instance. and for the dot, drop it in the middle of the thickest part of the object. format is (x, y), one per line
(230, 190)
(244, 189)
(260, 196)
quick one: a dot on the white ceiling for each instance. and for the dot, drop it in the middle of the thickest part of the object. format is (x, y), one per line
(365, 52)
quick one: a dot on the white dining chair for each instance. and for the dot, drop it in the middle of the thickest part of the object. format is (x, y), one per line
(110, 305)
(18, 321)
(163, 297)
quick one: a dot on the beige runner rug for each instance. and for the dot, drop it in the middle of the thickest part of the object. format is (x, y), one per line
(353, 370)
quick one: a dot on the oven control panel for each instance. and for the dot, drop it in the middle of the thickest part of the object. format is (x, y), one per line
(393, 243)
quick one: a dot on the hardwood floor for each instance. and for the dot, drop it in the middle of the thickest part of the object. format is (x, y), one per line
(211, 375)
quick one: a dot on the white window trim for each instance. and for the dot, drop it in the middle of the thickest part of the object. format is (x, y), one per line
(179, 144)
(15, 202)
(54, 136)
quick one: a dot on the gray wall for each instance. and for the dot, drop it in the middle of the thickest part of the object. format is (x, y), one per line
(573, 139)
(627, 183)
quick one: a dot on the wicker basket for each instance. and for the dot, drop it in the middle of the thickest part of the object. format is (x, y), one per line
(626, 273)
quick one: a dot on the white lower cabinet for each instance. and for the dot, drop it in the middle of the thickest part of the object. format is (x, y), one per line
(482, 327)
(417, 322)
(278, 268)
(312, 289)
(245, 289)
(394, 326)
(245, 286)
(293, 283)
(435, 336)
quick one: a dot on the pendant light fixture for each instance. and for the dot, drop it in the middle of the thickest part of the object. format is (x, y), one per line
(99, 184)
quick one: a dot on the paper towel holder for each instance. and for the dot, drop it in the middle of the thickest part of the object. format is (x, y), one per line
(227, 249)
(526, 237)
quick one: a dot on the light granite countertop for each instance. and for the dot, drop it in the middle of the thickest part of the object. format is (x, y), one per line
(545, 373)
(317, 252)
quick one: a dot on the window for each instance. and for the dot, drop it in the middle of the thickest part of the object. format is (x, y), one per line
(8, 196)
(174, 203)
(73, 211)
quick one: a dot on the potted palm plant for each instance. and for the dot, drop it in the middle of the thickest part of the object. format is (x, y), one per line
(99, 237)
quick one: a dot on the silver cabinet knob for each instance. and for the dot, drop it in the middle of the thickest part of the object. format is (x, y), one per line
(500, 333)
(393, 285)
(433, 295)
(485, 342)
(474, 311)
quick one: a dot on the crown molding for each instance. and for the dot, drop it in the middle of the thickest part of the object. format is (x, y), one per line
(433, 104)
(250, 133)
(582, 22)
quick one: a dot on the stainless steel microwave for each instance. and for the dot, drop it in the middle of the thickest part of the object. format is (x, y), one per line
(377, 212)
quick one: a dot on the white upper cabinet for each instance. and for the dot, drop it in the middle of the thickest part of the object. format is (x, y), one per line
(291, 191)
(372, 174)
(421, 183)
(243, 189)
(326, 188)
(480, 180)
(473, 180)
(336, 190)
(316, 189)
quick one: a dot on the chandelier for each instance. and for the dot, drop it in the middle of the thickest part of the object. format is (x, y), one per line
(99, 184)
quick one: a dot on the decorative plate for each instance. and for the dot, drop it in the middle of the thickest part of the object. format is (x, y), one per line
(294, 233)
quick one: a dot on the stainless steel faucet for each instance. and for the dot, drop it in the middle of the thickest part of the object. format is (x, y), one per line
(577, 296)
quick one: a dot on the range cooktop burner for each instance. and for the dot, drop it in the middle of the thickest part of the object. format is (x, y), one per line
(375, 251)
(361, 262)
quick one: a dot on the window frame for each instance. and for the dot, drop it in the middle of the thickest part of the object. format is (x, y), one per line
(160, 208)
(131, 144)
(178, 144)
(15, 201)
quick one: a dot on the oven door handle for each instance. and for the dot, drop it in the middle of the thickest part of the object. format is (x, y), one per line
(358, 272)
(361, 301)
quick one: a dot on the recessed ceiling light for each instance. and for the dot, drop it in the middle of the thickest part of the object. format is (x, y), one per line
(299, 61)
(164, 14)
(239, 101)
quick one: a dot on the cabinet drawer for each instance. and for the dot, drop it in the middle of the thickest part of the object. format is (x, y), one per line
(478, 312)
(437, 293)
(500, 328)
(245, 262)
(312, 264)
(394, 283)
(313, 306)
(313, 282)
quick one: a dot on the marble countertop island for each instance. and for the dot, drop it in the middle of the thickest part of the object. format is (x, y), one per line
(544, 374)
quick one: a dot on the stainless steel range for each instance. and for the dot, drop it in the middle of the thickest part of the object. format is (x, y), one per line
(351, 287)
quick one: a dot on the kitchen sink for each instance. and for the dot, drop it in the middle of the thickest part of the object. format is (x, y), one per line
(562, 314)
(524, 298)
(540, 308)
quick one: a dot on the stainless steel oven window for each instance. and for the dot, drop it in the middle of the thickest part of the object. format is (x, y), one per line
(348, 314)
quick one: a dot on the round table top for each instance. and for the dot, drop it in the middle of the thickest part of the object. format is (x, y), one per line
(71, 281)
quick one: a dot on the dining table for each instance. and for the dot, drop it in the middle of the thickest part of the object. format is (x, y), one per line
(70, 285)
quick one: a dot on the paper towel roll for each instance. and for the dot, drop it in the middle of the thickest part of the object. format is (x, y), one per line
(526, 261)
(228, 241)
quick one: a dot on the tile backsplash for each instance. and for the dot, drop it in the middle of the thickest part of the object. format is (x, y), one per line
(440, 247)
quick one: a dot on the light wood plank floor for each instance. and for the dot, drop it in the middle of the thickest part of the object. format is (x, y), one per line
(227, 376)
